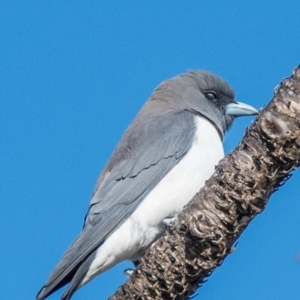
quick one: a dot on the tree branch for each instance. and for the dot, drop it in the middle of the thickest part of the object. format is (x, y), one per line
(203, 234)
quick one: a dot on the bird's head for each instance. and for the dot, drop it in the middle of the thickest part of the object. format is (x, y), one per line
(204, 94)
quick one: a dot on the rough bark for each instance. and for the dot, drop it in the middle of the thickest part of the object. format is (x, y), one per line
(203, 234)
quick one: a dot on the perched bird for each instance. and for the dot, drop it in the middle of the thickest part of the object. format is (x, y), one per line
(160, 163)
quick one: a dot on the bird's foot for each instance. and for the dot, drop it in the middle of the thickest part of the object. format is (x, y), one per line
(128, 273)
(169, 221)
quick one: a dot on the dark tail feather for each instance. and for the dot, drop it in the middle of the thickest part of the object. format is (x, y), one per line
(78, 277)
(46, 291)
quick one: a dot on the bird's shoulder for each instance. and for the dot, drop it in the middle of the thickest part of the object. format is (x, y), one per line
(149, 138)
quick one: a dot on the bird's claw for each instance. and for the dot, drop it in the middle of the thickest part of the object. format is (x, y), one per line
(128, 273)
(169, 221)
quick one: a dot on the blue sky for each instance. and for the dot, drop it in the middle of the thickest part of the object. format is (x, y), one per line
(73, 74)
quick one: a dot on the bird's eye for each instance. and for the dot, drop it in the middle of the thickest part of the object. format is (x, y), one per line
(211, 96)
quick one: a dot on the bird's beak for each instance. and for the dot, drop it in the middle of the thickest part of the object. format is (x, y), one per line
(239, 109)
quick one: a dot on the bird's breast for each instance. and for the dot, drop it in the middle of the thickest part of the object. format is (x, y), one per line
(179, 185)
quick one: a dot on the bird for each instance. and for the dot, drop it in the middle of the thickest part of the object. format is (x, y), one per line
(162, 160)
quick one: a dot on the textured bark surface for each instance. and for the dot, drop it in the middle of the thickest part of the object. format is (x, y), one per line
(203, 234)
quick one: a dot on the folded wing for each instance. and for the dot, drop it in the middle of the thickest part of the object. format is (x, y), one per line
(145, 154)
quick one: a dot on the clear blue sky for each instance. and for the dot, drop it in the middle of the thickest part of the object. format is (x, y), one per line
(73, 74)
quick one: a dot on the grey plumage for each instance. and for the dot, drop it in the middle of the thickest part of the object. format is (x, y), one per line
(154, 143)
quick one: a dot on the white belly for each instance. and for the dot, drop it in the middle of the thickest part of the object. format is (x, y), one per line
(174, 191)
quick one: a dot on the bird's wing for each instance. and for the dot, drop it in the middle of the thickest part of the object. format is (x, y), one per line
(146, 153)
